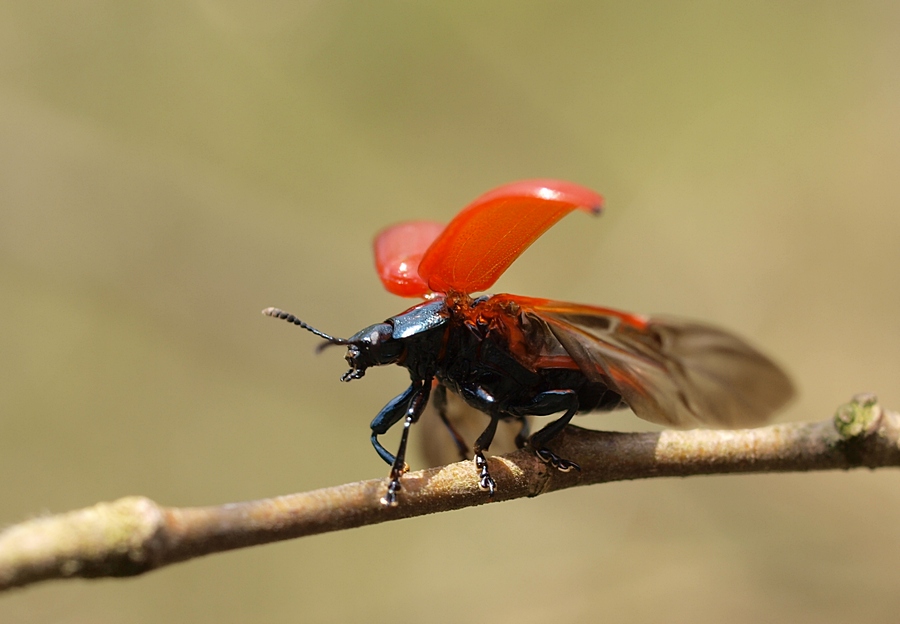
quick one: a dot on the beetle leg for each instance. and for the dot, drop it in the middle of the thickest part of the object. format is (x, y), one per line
(481, 399)
(483, 443)
(544, 404)
(416, 406)
(440, 404)
(388, 417)
(524, 432)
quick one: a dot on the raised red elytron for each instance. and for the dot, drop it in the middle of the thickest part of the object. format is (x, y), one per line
(512, 357)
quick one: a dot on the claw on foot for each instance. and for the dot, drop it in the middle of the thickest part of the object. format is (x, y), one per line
(485, 480)
(390, 497)
(549, 457)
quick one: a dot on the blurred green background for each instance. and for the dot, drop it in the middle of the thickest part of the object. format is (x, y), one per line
(169, 169)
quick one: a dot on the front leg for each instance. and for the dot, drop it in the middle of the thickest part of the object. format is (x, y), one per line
(389, 415)
(411, 404)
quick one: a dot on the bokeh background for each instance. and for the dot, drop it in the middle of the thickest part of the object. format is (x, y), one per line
(169, 169)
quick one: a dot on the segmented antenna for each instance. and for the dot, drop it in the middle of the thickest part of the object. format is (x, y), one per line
(290, 318)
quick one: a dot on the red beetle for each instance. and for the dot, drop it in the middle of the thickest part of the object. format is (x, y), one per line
(512, 357)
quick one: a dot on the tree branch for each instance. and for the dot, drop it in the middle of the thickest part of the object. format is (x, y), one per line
(135, 535)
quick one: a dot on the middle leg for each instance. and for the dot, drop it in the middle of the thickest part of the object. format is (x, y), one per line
(440, 404)
(483, 443)
(484, 401)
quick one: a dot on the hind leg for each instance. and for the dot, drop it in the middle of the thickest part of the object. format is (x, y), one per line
(544, 404)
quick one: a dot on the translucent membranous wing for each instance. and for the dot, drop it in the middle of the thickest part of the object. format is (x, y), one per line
(671, 372)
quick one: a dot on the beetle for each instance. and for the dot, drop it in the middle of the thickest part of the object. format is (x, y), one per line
(512, 357)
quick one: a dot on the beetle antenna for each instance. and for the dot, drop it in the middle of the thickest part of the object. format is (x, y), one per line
(324, 345)
(290, 318)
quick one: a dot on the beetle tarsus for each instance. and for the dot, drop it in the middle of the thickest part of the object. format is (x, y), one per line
(564, 465)
(390, 497)
(485, 480)
(549, 457)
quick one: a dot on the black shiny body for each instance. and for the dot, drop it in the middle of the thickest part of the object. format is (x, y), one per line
(451, 342)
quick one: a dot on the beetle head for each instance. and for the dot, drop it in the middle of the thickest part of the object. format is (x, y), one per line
(372, 346)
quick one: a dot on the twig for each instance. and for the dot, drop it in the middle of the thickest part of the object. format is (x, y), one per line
(135, 535)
